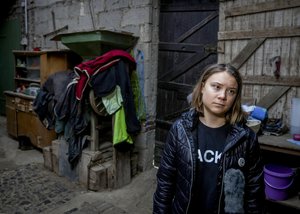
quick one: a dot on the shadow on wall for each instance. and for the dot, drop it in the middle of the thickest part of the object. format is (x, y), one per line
(5, 8)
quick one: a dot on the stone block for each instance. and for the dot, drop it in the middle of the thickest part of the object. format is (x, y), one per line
(111, 177)
(137, 3)
(64, 166)
(55, 156)
(98, 176)
(110, 20)
(145, 33)
(145, 145)
(137, 16)
(47, 155)
(116, 4)
(84, 164)
(122, 168)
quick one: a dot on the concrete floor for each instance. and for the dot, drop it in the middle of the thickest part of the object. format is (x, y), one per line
(135, 198)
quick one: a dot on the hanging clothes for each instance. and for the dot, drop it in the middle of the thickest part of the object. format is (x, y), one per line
(90, 68)
(121, 139)
(140, 103)
(113, 101)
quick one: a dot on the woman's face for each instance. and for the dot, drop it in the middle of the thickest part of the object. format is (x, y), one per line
(218, 94)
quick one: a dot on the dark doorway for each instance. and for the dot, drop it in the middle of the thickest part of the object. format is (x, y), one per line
(10, 35)
(187, 43)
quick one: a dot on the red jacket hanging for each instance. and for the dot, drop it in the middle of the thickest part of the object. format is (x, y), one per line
(85, 70)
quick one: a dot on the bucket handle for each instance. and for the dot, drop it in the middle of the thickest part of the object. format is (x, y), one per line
(287, 186)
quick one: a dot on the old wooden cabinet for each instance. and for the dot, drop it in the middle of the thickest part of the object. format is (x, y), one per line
(36, 66)
(22, 121)
(32, 68)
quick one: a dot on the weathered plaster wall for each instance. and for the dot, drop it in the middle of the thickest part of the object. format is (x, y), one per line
(139, 17)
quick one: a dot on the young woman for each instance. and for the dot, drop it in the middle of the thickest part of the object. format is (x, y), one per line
(211, 161)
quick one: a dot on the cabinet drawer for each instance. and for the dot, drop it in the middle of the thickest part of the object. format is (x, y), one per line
(10, 101)
(29, 125)
(11, 121)
(23, 105)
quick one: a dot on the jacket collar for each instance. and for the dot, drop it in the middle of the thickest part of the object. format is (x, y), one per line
(236, 134)
(190, 121)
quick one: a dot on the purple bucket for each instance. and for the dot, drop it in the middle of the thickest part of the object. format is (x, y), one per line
(278, 180)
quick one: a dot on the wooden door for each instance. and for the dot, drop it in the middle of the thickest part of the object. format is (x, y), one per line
(187, 43)
(10, 36)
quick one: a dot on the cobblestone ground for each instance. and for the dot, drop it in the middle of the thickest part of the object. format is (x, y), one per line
(96, 207)
(33, 189)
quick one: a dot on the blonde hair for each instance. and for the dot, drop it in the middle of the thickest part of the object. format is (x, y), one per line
(235, 113)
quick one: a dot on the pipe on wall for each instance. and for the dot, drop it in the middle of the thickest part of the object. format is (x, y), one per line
(24, 40)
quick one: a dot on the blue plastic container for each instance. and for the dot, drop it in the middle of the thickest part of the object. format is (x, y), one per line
(259, 113)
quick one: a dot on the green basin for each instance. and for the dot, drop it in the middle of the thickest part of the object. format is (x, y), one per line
(89, 44)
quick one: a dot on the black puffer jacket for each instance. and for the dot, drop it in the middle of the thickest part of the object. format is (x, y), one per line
(177, 168)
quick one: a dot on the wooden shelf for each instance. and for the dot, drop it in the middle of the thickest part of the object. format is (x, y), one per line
(279, 144)
(33, 68)
(20, 95)
(28, 80)
(39, 65)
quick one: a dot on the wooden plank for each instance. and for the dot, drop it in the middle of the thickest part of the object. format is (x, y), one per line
(261, 7)
(294, 59)
(286, 44)
(271, 80)
(188, 7)
(186, 48)
(197, 27)
(247, 51)
(184, 66)
(175, 86)
(176, 114)
(122, 168)
(269, 99)
(180, 47)
(271, 143)
(29, 125)
(273, 32)
(164, 124)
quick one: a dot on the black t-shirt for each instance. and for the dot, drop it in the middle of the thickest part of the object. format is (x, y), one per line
(211, 142)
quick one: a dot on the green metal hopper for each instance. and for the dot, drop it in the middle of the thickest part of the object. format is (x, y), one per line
(90, 44)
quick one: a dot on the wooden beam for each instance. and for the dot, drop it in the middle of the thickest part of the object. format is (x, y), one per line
(247, 51)
(261, 7)
(184, 66)
(271, 80)
(186, 47)
(165, 8)
(274, 32)
(164, 124)
(269, 99)
(176, 114)
(180, 47)
(198, 26)
(172, 86)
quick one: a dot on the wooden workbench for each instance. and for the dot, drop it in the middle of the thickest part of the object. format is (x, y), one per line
(280, 144)
(23, 121)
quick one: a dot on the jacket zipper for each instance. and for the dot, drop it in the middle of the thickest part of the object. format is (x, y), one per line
(190, 149)
(220, 198)
(223, 173)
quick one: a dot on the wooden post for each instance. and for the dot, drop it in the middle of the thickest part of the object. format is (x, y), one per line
(94, 145)
(121, 166)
